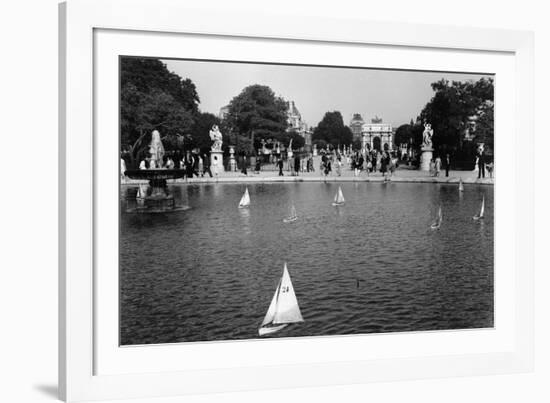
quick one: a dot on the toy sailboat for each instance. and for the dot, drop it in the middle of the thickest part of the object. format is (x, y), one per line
(283, 309)
(481, 214)
(245, 200)
(460, 186)
(339, 198)
(293, 217)
(437, 222)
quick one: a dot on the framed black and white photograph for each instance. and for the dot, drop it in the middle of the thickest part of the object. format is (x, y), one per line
(386, 224)
(261, 210)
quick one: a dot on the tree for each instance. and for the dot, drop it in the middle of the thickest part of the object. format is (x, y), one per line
(257, 114)
(452, 107)
(332, 130)
(297, 140)
(404, 134)
(147, 74)
(153, 98)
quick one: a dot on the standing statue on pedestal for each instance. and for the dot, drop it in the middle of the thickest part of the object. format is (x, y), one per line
(426, 154)
(216, 153)
(216, 137)
(427, 136)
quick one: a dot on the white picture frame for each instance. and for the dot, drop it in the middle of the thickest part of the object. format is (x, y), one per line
(84, 293)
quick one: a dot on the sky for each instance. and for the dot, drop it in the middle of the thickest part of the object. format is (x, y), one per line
(393, 95)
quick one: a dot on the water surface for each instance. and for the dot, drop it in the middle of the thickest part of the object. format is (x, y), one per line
(373, 265)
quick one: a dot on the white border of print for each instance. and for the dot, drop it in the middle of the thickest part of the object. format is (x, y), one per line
(92, 366)
(111, 359)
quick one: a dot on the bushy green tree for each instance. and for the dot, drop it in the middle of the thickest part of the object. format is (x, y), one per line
(297, 140)
(257, 113)
(153, 98)
(452, 107)
(332, 130)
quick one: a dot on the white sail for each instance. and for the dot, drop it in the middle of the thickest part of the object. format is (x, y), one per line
(460, 186)
(287, 309)
(437, 222)
(292, 217)
(293, 212)
(482, 211)
(283, 308)
(339, 197)
(272, 307)
(245, 200)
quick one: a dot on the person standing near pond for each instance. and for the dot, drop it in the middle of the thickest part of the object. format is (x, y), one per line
(447, 164)
(384, 164)
(189, 163)
(280, 166)
(296, 165)
(481, 165)
(244, 163)
(328, 167)
(206, 165)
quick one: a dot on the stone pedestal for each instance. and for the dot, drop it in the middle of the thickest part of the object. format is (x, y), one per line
(425, 158)
(216, 162)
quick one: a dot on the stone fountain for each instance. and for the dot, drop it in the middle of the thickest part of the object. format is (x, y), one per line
(155, 198)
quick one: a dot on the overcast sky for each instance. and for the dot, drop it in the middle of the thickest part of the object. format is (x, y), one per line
(395, 96)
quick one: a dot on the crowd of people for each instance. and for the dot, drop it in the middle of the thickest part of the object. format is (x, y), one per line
(194, 164)
(384, 162)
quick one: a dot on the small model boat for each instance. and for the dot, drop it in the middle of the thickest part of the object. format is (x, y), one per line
(283, 309)
(245, 200)
(437, 222)
(339, 198)
(481, 214)
(293, 217)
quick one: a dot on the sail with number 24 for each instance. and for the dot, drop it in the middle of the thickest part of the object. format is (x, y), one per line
(283, 309)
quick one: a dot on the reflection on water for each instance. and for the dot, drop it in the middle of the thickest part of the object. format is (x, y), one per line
(372, 265)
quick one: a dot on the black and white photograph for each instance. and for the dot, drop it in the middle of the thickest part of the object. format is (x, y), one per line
(262, 200)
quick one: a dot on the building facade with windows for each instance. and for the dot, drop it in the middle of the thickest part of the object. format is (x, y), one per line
(375, 135)
(297, 124)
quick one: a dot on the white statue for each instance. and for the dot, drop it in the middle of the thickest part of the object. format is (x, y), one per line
(216, 137)
(427, 136)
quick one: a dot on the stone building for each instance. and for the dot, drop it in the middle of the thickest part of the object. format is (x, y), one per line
(297, 124)
(377, 135)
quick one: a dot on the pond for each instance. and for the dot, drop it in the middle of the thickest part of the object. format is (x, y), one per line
(372, 265)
